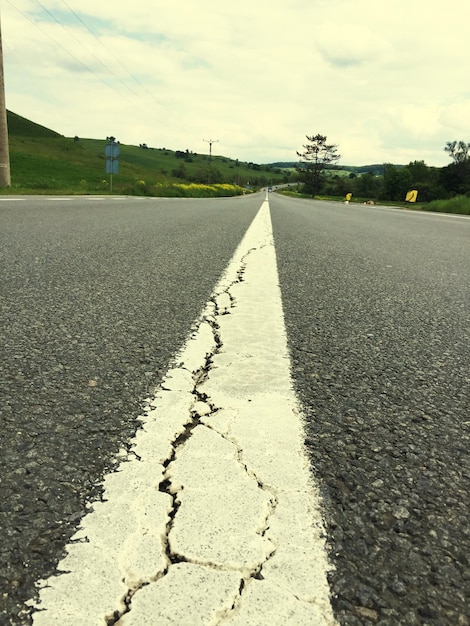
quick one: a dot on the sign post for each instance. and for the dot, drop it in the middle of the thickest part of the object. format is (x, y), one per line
(112, 164)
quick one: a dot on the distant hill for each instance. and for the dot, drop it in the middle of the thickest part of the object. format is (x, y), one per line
(21, 127)
(376, 168)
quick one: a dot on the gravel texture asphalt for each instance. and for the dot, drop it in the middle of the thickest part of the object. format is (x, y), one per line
(377, 312)
(96, 298)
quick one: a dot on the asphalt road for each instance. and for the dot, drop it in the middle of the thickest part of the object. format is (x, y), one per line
(96, 298)
(98, 295)
(377, 311)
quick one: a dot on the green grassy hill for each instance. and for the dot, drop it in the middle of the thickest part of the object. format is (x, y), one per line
(20, 126)
(43, 161)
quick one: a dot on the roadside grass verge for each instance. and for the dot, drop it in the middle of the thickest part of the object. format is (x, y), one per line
(458, 205)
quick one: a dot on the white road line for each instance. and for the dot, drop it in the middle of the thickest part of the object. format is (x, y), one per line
(213, 519)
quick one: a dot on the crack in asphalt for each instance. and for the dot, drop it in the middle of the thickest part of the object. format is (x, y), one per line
(222, 304)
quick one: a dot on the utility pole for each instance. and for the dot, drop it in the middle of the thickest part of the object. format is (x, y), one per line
(210, 142)
(5, 179)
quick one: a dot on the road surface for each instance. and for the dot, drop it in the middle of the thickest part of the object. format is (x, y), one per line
(100, 295)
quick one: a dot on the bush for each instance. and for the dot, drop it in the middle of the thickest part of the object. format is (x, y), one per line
(140, 188)
(459, 204)
(193, 190)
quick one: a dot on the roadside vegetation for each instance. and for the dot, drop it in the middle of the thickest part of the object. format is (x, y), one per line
(42, 161)
(459, 204)
(445, 189)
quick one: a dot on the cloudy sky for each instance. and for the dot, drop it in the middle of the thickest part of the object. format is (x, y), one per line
(386, 81)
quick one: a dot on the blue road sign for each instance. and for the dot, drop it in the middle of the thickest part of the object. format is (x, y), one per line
(112, 166)
(112, 150)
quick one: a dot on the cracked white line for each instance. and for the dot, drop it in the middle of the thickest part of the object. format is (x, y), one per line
(213, 518)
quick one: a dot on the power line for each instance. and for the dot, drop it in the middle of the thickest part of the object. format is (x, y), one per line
(110, 52)
(45, 32)
(178, 126)
(80, 42)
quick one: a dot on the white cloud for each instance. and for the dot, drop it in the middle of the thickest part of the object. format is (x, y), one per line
(386, 83)
(344, 45)
(457, 116)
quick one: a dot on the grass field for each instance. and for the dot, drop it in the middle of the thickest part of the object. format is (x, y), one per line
(44, 161)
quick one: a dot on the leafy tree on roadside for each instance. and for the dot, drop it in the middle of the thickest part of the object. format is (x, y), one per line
(426, 180)
(314, 159)
(420, 172)
(367, 185)
(458, 150)
(396, 182)
(455, 178)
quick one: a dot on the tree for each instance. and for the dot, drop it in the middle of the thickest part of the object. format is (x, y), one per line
(458, 150)
(316, 156)
(455, 178)
(396, 182)
(420, 172)
(180, 172)
(426, 180)
(367, 186)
